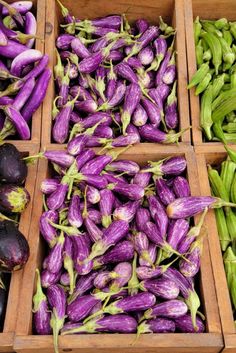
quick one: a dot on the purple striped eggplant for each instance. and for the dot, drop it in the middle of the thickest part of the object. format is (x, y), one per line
(81, 252)
(132, 191)
(141, 245)
(117, 97)
(184, 324)
(57, 301)
(77, 144)
(68, 262)
(177, 231)
(171, 113)
(38, 69)
(161, 287)
(170, 72)
(158, 214)
(152, 251)
(132, 98)
(17, 120)
(146, 56)
(95, 215)
(94, 232)
(84, 284)
(62, 158)
(112, 235)
(84, 157)
(126, 72)
(142, 25)
(164, 64)
(63, 41)
(96, 165)
(23, 95)
(168, 166)
(54, 259)
(79, 48)
(29, 56)
(49, 185)
(116, 323)
(160, 46)
(140, 116)
(149, 35)
(30, 28)
(158, 325)
(56, 199)
(41, 318)
(103, 278)
(123, 251)
(114, 178)
(106, 206)
(46, 229)
(12, 49)
(144, 272)
(153, 112)
(127, 211)
(170, 309)
(141, 218)
(65, 279)
(185, 207)
(142, 179)
(181, 187)
(165, 194)
(48, 278)
(74, 213)
(121, 166)
(152, 134)
(123, 274)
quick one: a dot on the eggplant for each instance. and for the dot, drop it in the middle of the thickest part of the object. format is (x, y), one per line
(30, 28)
(158, 214)
(161, 287)
(132, 191)
(49, 185)
(181, 187)
(80, 254)
(165, 194)
(168, 166)
(184, 324)
(152, 134)
(54, 260)
(123, 273)
(141, 218)
(141, 245)
(152, 252)
(158, 325)
(142, 179)
(170, 309)
(84, 284)
(123, 251)
(13, 170)
(29, 56)
(106, 206)
(14, 248)
(48, 278)
(13, 198)
(121, 166)
(142, 25)
(127, 211)
(48, 232)
(116, 323)
(41, 318)
(132, 98)
(68, 254)
(74, 213)
(177, 231)
(146, 56)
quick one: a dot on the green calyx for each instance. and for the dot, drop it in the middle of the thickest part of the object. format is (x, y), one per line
(39, 296)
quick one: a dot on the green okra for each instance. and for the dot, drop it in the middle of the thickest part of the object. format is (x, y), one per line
(226, 87)
(227, 36)
(228, 54)
(227, 174)
(207, 55)
(222, 228)
(230, 127)
(204, 43)
(199, 53)
(223, 97)
(229, 137)
(227, 106)
(230, 221)
(202, 86)
(205, 113)
(215, 46)
(217, 85)
(233, 290)
(197, 29)
(226, 67)
(199, 75)
(234, 48)
(222, 23)
(231, 118)
(233, 189)
(229, 264)
(231, 153)
(233, 80)
(217, 184)
(232, 28)
(218, 132)
(226, 77)
(210, 28)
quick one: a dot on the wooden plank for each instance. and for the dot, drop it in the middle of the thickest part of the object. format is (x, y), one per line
(211, 341)
(205, 10)
(39, 7)
(6, 337)
(172, 11)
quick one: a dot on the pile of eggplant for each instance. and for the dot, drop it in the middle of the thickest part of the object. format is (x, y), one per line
(24, 77)
(115, 84)
(122, 250)
(14, 198)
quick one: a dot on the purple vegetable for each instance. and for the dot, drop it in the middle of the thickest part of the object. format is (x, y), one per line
(93, 119)
(123, 251)
(104, 132)
(57, 300)
(125, 71)
(184, 324)
(91, 63)
(139, 117)
(116, 98)
(111, 323)
(190, 266)
(154, 115)
(115, 55)
(106, 206)
(112, 21)
(112, 235)
(6, 100)
(12, 49)
(177, 231)
(99, 44)
(132, 191)
(158, 214)
(30, 28)
(171, 114)
(161, 287)
(79, 48)
(37, 95)
(164, 192)
(83, 158)
(146, 56)
(46, 229)
(48, 278)
(24, 94)
(152, 134)
(41, 310)
(144, 272)
(18, 121)
(142, 25)
(3, 38)
(148, 36)
(152, 252)
(158, 325)
(163, 66)
(77, 144)
(123, 273)
(74, 214)
(111, 83)
(56, 199)
(141, 218)
(49, 185)
(38, 69)
(20, 6)
(95, 215)
(84, 284)
(63, 41)
(181, 187)
(127, 211)
(81, 252)
(168, 166)
(185, 207)
(59, 157)
(120, 166)
(103, 278)
(96, 165)
(132, 98)
(142, 179)
(29, 56)
(68, 252)
(171, 309)
(79, 308)
(72, 71)
(54, 259)
(141, 245)
(170, 72)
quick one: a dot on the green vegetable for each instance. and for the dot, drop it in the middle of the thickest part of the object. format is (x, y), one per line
(199, 75)
(203, 85)
(222, 228)
(215, 46)
(205, 114)
(197, 30)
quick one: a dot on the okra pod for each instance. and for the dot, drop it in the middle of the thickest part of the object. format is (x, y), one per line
(199, 53)
(197, 30)
(228, 54)
(222, 229)
(233, 80)
(231, 153)
(222, 97)
(218, 132)
(210, 28)
(207, 55)
(232, 28)
(217, 85)
(199, 75)
(233, 188)
(222, 23)
(227, 36)
(227, 174)
(217, 184)
(230, 221)
(231, 118)
(203, 84)
(205, 114)
(224, 108)
(215, 46)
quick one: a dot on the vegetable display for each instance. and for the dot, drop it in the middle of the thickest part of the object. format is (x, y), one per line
(121, 251)
(215, 79)
(24, 76)
(222, 178)
(115, 84)
(14, 198)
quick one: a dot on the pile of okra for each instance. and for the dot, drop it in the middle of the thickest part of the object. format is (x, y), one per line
(215, 79)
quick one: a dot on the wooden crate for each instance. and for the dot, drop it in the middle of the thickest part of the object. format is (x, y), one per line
(211, 341)
(212, 10)
(214, 156)
(172, 12)
(7, 336)
(39, 8)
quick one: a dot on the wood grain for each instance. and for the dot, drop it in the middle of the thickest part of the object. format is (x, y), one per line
(211, 10)
(6, 337)
(211, 341)
(172, 11)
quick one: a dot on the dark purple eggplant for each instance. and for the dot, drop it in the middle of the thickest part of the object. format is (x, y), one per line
(13, 198)
(13, 169)
(14, 248)
(41, 318)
